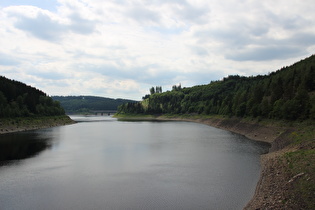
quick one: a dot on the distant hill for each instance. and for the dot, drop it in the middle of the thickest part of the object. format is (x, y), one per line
(85, 104)
(20, 100)
(288, 93)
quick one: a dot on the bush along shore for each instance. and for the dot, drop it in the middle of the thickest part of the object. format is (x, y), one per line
(287, 179)
(9, 125)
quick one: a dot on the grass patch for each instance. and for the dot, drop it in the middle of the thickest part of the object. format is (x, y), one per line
(303, 135)
(29, 123)
(135, 117)
(301, 167)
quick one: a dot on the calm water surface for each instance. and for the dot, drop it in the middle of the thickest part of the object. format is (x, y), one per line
(102, 163)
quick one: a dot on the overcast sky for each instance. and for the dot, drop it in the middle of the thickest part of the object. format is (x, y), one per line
(121, 48)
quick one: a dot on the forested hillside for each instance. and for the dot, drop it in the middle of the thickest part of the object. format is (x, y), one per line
(79, 104)
(20, 100)
(288, 93)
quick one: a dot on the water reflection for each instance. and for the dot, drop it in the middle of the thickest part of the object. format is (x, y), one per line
(91, 118)
(102, 163)
(21, 145)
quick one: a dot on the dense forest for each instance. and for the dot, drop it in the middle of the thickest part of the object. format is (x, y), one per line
(20, 100)
(86, 104)
(288, 93)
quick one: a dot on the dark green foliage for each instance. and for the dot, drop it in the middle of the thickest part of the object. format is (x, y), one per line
(158, 89)
(77, 104)
(135, 107)
(20, 100)
(175, 87)
(285, 94)
(152, 90)
(146, 96)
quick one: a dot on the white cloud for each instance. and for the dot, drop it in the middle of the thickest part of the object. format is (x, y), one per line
(8, 60)
(120, 48)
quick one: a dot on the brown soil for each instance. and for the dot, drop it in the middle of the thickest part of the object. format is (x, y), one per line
(271, 189)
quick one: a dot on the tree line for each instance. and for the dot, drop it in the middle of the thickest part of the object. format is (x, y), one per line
(86, 104)
(20, 100)
(288, 93)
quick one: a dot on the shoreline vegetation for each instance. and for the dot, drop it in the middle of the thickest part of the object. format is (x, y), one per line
(23, 107)
(287, 178)
(17, 124)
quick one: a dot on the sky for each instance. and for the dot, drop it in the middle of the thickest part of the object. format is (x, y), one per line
(121, 48)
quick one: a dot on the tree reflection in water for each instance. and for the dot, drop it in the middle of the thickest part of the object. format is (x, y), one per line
(21, 145)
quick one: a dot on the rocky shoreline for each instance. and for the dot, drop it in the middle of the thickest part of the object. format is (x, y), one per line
(11, 125)
(276, 186)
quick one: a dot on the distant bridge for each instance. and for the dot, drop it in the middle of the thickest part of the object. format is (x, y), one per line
(103, 112)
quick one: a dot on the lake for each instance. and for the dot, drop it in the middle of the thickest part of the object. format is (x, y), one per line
(103, 163)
